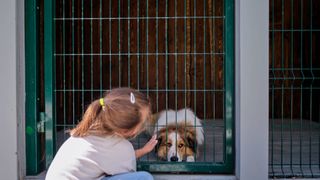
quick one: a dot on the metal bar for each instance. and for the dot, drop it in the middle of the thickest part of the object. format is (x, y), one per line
(49, 7)
(141, 18)
(119, 42)
(224, 94)
(229, 87)
(137, 54)
(294, 69)
(204, 78)
(185, 51)
(291, 93)
(213, 42)
(110, 45)
(138, 45)
(296, 78)
(64, 64)
(147, 46)
(32, 90)
(195, 61)
(73, 59)
(166, 67)
(157, 57)
(82, 58)
(91, 50)
(301, 85)
(185, 57)
(175, 69)
(175, 58)
(128, 43)
(100, 47)
(184, 167)
(295, 30)
(138, 74)
(282, 84)
(311, 94)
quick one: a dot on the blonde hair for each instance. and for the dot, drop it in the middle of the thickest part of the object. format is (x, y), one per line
(119, 113)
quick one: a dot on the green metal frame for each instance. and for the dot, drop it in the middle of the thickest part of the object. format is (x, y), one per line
(228, 165)
(49, 78)
(229, 82)
(33, 159)
(34, 118)
(197, 167)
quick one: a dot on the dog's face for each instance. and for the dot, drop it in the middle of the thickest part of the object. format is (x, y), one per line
(176, 144)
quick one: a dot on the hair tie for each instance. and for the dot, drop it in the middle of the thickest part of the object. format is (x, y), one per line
(132, 98)
(102, 103)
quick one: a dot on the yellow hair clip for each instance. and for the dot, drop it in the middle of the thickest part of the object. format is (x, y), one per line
(102, 103)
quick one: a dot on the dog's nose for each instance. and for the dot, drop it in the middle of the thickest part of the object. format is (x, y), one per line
(174, 158)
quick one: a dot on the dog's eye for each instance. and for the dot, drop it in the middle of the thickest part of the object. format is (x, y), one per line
(169, 144)
(180, 145)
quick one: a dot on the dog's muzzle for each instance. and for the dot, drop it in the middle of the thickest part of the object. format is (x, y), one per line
(174, 158)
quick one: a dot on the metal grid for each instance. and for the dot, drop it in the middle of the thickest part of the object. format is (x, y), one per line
(174, 51)
(294, 145)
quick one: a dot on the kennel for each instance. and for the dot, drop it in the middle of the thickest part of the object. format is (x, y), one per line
(294, 145)
(180, 53)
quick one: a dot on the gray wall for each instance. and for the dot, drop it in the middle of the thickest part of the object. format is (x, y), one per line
(8, 95)
(252, 19)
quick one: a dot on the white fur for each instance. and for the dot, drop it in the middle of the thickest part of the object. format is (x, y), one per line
(185, 115)
(173, 149)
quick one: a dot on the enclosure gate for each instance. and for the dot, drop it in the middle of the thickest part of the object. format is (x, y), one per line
(294, 148)
(179, 52)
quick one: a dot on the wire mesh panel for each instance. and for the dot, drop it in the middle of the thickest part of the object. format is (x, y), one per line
(294, 146)
(176, 51)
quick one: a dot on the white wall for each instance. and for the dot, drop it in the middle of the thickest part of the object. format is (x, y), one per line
(252, 18)
(8, 95)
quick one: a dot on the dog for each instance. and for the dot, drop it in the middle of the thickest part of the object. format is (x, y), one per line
(180, 133)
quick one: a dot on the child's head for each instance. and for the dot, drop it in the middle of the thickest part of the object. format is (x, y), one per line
(121, 111)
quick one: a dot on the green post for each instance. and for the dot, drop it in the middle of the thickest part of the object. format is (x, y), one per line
(49, 66)
(229, 83)
(32, 88)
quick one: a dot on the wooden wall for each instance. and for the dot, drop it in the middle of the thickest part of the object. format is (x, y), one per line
(190, 54)
(80, 78)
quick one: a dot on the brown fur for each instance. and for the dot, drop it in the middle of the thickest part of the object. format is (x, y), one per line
(185, 144)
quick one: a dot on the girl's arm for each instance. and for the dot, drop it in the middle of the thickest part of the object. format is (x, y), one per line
(147, 148)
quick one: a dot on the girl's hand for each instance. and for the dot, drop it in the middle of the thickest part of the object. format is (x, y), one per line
(150, 144)
(147, 147)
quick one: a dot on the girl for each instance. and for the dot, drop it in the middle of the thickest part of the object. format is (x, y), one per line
(98, 147)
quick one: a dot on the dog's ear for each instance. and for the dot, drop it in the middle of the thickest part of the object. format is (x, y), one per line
(192, 142)
(158, 144)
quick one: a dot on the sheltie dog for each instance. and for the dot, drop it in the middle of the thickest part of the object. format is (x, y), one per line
(180, 133)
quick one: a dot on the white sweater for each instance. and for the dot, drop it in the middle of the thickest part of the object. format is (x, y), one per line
(92, 158)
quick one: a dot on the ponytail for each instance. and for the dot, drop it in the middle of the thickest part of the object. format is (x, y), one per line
(88, 120)
(120, 109)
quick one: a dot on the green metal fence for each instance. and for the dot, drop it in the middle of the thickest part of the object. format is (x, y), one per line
(180, 53)
(294, 146)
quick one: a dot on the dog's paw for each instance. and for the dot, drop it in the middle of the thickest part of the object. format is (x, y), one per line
(190, 159)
